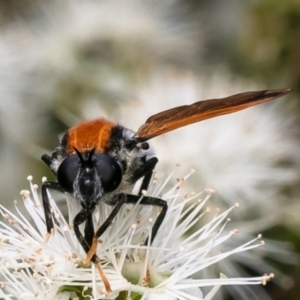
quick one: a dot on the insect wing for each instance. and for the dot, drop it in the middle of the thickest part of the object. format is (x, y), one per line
(180, 116)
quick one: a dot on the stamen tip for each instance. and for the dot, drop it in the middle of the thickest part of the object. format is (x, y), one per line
(25, 194)
(267, 278)
(209, 190)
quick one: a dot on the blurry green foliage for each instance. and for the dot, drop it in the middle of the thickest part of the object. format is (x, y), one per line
(269, 42)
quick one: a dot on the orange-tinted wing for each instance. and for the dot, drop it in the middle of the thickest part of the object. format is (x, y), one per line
(187, 114)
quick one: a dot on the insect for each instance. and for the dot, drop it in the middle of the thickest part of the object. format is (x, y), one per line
(99, 160)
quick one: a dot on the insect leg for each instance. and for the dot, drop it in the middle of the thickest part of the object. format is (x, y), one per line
(128, 198)
(46, 203)
(82, 216)
(86, 242)
(145, 171)
(89, 229)
(146, 200)
(119, 200)
(47, 160)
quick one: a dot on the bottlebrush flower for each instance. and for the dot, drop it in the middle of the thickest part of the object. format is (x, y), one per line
(33, 269)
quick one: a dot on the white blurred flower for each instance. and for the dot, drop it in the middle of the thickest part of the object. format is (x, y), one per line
(71, 52)
(34, 270)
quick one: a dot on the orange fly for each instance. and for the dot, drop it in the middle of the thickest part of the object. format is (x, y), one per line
(99, 160)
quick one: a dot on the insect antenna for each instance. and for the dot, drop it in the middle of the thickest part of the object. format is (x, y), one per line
(89, 158)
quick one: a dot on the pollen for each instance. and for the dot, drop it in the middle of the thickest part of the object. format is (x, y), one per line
(38, 250)
(210, 191)
(25, 194)
(13, 222)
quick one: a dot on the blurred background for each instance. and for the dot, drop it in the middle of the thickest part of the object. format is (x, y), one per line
(61, 62)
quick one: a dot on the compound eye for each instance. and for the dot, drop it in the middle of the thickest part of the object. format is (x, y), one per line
(67, 172)
(109, 171)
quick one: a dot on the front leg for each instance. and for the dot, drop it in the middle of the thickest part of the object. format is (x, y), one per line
(89, 231)
(46, 204)
(119, 200)
(84, 216)
(86, 242)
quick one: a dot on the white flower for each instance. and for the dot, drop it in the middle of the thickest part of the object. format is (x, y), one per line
(33, 269)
